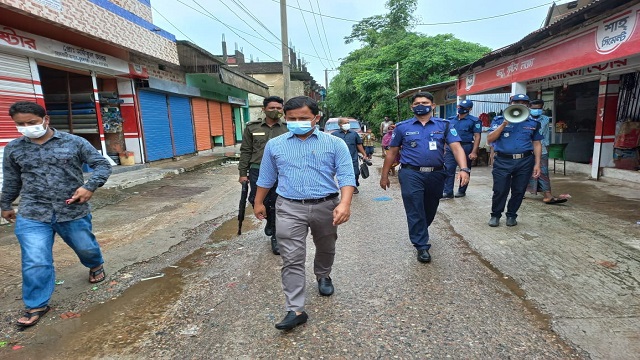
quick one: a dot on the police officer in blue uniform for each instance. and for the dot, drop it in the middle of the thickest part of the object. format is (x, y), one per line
(517, 155)
(469, 128)
(421, 141)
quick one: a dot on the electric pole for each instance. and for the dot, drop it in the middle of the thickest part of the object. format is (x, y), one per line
(285, 49)
(397, 78)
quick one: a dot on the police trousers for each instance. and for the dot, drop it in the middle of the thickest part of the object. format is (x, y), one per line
(510, 175)
(450, 165)
(421, 193)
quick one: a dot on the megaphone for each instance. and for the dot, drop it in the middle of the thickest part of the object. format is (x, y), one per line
(516, 113)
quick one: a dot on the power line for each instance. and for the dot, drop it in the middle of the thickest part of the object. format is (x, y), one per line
(247, 11)
(309, 33)
(170, 23)
(315, 19)
(325, 34)
(244, 21)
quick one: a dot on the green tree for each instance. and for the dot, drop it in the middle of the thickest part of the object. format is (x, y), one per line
(365, 87)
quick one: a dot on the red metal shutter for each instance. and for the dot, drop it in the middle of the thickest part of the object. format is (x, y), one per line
(227, 125)
(201, 123)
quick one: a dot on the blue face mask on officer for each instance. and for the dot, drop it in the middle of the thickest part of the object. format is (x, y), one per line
(421, 109)
(462, 111)
(535, 112)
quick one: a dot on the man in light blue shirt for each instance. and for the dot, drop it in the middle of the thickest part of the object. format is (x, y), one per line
(306, 163)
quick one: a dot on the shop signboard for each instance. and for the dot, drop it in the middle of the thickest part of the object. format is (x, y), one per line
(14, 40)
(604, 43)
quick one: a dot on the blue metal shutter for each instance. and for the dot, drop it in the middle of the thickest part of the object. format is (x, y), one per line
(181, 125)
(155, 124)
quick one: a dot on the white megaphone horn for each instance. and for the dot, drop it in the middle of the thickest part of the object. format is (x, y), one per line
(516, 113)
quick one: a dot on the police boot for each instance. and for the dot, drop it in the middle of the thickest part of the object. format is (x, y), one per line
(270, 228)
(274, 245)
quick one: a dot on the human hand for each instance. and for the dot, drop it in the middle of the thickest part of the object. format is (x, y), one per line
(341, 214)
(81, 196)
(536, 171)
(260, 211)
(384, 182)
(473, 156)
(463, 177)
(9, 215)
(242, 179)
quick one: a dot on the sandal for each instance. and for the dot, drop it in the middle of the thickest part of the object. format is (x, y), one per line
(29, 315)
(555, 200)
(93, 274)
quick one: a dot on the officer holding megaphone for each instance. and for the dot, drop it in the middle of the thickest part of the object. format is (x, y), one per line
(515, 137)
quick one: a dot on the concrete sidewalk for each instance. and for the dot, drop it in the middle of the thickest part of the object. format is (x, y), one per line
(127, 176)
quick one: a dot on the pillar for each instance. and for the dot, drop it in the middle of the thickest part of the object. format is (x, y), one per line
(518, 88)
(606, 117)
(131, 125)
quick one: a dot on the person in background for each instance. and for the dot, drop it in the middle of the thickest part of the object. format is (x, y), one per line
(384, 129)
(354, 143)
(517, 157)
(543, 182)
(367, 141)
(315, 179)
(422, 174)
(255, 137)
(44, 168)
(469, 129)
(386, 140)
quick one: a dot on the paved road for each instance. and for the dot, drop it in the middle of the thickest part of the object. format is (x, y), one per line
(489, 293)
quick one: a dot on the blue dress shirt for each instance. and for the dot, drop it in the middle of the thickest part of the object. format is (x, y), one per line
(418, 141)
(306, 169)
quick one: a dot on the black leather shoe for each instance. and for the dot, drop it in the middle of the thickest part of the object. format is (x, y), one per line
(511, 221)
(292, 320)
(494, 221)
(447, 196)
(460, 194)
(325, 286)
(274, 245)
(423, 256)
(270, 228)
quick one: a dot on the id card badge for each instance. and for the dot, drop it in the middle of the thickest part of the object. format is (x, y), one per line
(433, 145)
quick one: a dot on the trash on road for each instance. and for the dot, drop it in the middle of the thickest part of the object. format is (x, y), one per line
(3, 344)
(69, 315)
(382, 198)
(154, 276)
(59, 282)
(607, 264)
(192, 331)
(17, 347)
(94, 288)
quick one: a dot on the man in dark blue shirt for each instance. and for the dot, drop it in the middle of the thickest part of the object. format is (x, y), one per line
(354, 143)
(469, 128)
(44, 168)
(422, 139)
(517, 156)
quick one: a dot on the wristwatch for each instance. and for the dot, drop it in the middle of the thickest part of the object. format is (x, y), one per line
(467, 170)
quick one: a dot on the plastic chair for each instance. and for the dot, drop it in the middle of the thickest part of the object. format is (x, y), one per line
(557, 151)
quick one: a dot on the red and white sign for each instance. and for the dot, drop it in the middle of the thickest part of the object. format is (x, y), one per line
(601, 45)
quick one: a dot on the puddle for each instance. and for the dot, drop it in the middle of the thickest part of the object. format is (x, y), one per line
(109, 328)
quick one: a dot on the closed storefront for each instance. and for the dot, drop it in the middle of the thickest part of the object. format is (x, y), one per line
(201, 124)
(227, 125)
(181, 125)
(215, 122)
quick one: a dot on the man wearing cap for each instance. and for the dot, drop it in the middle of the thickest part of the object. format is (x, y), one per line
(469, 128)
(518, 150)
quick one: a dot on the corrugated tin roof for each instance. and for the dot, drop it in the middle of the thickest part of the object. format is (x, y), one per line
(568, 21)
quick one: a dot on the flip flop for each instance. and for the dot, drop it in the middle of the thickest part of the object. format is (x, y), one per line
(29, 315)
(93, 274)
(554, 201)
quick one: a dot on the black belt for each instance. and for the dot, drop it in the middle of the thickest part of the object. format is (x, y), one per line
(313, 201)
(516, 156)
(422, 168)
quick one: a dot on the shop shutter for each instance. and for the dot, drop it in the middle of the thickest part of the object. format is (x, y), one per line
(201, 124)
(227, 125)
(16, 84)
(155, 125)
(215, 118)
(181, 125)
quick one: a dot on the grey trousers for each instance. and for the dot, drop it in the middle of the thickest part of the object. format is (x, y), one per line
(293, 221)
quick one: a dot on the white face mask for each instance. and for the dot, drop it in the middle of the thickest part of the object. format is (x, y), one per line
(345, 127)
(33, 131)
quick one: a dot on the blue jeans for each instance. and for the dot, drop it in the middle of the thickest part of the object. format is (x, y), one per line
(36, 247)
(450, 165)
(421, 192)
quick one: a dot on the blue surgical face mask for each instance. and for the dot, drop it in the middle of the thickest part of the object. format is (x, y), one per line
(535, 112)
(463, 111)
(299, 127)
(421, 109)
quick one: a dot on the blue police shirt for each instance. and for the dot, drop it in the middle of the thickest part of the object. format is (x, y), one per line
(516, 138)
(423, 145)
(352, 139)
(466, 127)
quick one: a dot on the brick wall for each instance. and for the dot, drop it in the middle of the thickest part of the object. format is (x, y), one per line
(106, 21)
(170, 73)
(137, 7)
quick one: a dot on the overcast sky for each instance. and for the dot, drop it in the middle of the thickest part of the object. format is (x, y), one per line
(323, 45)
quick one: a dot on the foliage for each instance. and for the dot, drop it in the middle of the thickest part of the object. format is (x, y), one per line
(365, 87)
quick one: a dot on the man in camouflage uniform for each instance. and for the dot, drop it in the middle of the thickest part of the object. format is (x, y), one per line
(255, 137)
(44, 168)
